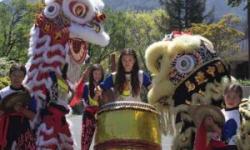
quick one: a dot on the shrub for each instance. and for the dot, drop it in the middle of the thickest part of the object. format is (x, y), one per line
(244, 82)
(4, 81)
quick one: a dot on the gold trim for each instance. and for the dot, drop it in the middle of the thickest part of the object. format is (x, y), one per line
(190, 74)
(127, 105)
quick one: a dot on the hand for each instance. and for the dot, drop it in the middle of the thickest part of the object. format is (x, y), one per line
(98, 91)
(210, 125)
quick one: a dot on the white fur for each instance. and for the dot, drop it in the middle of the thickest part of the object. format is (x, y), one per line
(89, 16)
(89, 35)
(99, 4)
(47, 2)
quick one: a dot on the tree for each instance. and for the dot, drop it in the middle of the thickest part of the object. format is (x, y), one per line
(128, 29)
(235, 3)
(14, 28)
(222, 33)
(144, 31)
(183, 13)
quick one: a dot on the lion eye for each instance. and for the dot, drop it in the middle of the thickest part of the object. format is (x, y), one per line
(79, 9)
(185, 64)
(52, 10)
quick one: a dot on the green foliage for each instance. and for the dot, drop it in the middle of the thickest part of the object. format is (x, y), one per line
(5, 65)
(222, 33)
(14, 28)
(235, 3)
(4, 81)
(183, 13)
(128, 29)
(244, 82)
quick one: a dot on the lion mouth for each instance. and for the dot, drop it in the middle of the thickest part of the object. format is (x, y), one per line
(78, 50)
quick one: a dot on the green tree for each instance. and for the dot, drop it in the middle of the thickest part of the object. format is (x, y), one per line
(128, 29)
(183, 13)
(235, 3)
(144, 31)
(14, 28)
(222, 33)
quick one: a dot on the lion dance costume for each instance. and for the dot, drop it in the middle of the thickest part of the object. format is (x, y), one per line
(58, 47)
(187, 72)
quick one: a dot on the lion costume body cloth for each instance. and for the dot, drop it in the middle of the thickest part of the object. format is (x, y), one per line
(186, 71)
(58, 47)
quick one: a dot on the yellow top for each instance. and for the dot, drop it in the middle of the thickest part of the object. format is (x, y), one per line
(93, 102)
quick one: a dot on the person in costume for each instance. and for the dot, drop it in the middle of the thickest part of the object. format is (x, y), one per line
(232, 98)
(209, 122)
(91, 100)
(187, 71)
(58, 48)
(17, 109)
(128, 80)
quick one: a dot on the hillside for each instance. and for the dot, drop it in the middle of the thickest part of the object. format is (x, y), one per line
(221, 7)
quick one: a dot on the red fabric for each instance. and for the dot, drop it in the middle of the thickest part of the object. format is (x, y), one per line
(216, 144)
(92, 109)
(179, 33)
(200, 142)
(55, 121)
(4, 124)
(78, 94)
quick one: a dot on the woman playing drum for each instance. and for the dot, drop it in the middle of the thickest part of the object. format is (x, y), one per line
(128, 79)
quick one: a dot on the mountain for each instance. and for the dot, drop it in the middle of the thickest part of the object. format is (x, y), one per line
(220, 6)
(132, 4)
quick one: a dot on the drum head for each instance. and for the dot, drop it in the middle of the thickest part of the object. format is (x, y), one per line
(10, 101)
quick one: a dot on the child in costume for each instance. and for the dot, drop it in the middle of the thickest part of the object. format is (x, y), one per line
(91, 100)
(232, 98)
(209, 122)
(17, 109)
(128, 80)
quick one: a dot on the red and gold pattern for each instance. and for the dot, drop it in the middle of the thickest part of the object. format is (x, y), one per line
(58, 47)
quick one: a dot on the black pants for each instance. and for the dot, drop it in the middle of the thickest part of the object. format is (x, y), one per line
(88, 126)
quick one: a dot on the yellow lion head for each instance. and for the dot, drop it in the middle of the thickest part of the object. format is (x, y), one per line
(186, 70)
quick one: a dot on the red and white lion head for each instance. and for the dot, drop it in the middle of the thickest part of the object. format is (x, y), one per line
(60, 38)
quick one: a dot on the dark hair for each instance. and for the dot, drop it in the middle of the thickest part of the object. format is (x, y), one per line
(235, 88)
(91, 78)
(17, 67)
(120, 75)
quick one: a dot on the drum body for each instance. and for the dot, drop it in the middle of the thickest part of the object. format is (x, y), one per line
(128, 125)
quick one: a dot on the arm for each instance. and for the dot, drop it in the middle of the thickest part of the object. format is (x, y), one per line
(107, 83)
(85, 95)
(146, 81)
(27, 113)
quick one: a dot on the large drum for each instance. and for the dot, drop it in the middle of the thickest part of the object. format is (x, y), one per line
(128, 125)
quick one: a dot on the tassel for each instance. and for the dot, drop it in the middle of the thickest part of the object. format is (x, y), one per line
(200, 142)
(78, 94)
